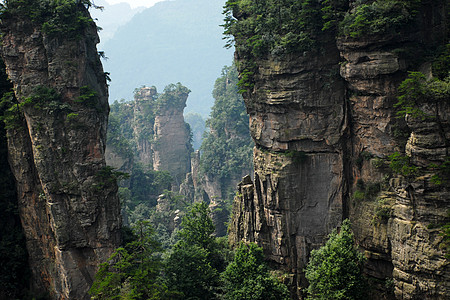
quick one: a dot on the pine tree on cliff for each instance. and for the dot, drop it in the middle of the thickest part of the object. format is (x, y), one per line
(334, 270)
(247, 277)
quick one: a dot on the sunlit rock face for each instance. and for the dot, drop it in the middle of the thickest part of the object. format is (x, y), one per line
(324, 125)
(67, 198)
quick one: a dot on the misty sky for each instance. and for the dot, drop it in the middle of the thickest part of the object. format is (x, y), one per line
(135, 3)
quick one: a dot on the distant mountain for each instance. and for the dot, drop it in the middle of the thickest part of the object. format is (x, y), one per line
(173, 41)
(111, 17)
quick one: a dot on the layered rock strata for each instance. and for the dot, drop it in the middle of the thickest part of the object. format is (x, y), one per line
(298, 121)
(325, 125)
(67, 197)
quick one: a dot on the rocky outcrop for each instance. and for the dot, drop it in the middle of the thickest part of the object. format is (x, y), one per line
(143, 116)
(56, 141)
(325, 125)
(171, 142)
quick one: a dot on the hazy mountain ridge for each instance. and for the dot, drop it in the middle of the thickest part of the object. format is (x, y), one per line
(109, 17)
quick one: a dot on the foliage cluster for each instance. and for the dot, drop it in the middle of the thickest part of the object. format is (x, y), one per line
(415, 90)
(247, 277)
(197, 252)
(88, 97)
(442, 171)
(378, 17)
(43, 98)
(66, 18)
(441, 65)
(191, 270)
(12, 115)
(383, 211)
(400, 164)
(174, 95)
(335, 270)
(133, 271)
(366, 191)
(278, 28)
(108, 175)
(116, 140)
(144, 187)
(226, 150)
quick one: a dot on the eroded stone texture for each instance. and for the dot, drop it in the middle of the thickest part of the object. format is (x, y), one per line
(68, 203)
(297, 105)
(298, 122)
(403, 245)
(143, 108)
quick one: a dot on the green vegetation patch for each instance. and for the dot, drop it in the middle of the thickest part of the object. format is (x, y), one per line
(248, 275)
(227, 147)
(174, 95)
(12, 115)
(379, 17)
(63, 18)
(335, 270)
(400, 164)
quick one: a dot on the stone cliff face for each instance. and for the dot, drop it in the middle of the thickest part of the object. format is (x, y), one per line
(324, 125)
(298, 124)
(56, 141)
(404, 246)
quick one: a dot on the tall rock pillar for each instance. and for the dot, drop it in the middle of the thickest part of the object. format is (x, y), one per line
(171, 146)
(56, 141)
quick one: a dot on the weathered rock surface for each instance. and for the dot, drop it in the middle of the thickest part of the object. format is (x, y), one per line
(320, 140)
(298, 122)
(67, 199)
(171, 145)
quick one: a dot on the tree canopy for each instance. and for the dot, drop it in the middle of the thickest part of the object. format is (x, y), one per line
(247, 277)
(335, 270)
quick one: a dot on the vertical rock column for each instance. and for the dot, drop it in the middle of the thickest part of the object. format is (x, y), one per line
(143, 127)
(171, 146)
(297, 120)
(56, 142)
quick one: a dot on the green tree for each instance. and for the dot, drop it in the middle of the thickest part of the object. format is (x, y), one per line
(334, 270)
(132, 271)
(247, 277)
(189, 272)
(197, 258)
